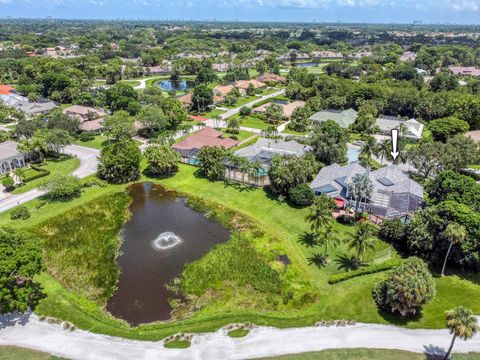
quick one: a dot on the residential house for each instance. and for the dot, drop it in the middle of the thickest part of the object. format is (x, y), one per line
(222, 90)
(10, 157)
(262, 153)
(191, 145)
(327, 54)
(475, 135)
(344, 118)
(91, 119)
(362, 53)
(287, 107)
(408, 56)
(393, 194)
(412, 128)
(164, 67)
(243, 85)
(222, 67)
(272, 78)
(186, 100)
(465, 70)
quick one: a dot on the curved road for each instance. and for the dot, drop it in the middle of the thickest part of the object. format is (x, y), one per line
(29, 332)
(88, 166)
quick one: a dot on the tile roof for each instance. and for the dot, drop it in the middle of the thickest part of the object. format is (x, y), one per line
(8, 149)
(205, 137)
(344, 118)
(6, 89)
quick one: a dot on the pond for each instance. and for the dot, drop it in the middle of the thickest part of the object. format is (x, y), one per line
(180, 85)
(162, 235)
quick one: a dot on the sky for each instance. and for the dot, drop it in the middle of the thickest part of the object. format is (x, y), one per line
(364, 11)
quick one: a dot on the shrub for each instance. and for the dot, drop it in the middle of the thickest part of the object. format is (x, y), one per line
(94, 182)
(8, 183)
(86, 136)
(301, 194)
(346, 219)
(20, 212)
(372, 269)
(41, 172)
(409, 287)
(62, 187)
(245, 111)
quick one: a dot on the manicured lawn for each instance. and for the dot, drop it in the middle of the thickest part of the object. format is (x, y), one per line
(366, 354)
(62, 166)
(130, 82)
(252, 122)
(16, 353)
(239, 333)
(242, 135)
(212, 113)
(319, 69)
(474, 167)
(293, 132)
(350, 299)
(242, 101)
(177, 344)
(96, 143)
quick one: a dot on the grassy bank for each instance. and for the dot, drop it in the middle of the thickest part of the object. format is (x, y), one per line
(347, 300)
(16, 353)
(367, 354)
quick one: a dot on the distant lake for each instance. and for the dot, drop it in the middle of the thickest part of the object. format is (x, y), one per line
(180, 85)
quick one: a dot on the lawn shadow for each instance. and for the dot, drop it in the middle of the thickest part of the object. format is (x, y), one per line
(348, 262)
(308, 239)
(396, 319)
(238, 186)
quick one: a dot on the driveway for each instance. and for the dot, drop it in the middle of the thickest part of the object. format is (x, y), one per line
(29, 332)
(88, 166)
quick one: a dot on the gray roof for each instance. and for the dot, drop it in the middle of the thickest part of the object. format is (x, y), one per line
(344, 118)
(8, 150)
(264, 149)
(413, 128)
(389, 179)
(37, 107)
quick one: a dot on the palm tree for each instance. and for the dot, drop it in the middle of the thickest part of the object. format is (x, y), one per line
(327, 238)
(360, 188)
(368, 149)
(455, 233)
(320, 216)
(254, 171)
(362, 240)
(461, 323)
(383, 150)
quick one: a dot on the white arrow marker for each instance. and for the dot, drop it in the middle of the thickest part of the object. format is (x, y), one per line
(394, 144)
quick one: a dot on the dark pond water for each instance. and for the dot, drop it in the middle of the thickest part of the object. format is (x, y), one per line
(180, 85)
(162, 235)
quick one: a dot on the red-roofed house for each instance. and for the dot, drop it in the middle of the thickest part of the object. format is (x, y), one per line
(6, 89)
(191, 145)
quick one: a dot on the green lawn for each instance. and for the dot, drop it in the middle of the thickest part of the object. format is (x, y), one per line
(293, 132)
(238, 333)
(366, 354)
(16, 353)
(96, 143)
(132, 83)
(242, 101)
(177, 344)
(62, 166)
(242, 135)
(350, 299)
(212, 113)
(474, 167)
(252, 122)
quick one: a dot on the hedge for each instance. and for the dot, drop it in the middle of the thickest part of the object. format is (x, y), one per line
(42, 173)
(387, 265)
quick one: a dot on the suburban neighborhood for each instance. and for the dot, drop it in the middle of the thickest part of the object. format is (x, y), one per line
(238, 190)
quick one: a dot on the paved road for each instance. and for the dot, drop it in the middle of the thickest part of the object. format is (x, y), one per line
(88, 166)
(232, 112)
(29, 332)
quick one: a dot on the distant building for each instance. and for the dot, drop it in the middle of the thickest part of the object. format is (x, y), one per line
(327, 54)
(344, 118)
(412, 128)
(408, 56)
(191, 145)
(223, 67)
(272, 78)
(465, 70)
(186, 100)
(10, 157)
(223, 90)
(287, 108)
(91, 119)
(10, 98)
(243, 85)
(394, 194)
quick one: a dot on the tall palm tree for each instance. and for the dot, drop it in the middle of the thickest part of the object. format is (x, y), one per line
(362, 240)
(368, 149)
(455, 233)
(383, 150)
(320, 215)
(327, 238)
(461, 323)
(360, 188)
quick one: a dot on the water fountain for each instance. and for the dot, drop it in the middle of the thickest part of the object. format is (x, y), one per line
(165, 241)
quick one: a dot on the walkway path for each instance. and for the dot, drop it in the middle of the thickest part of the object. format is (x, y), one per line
(29, 332)
(88, 166)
